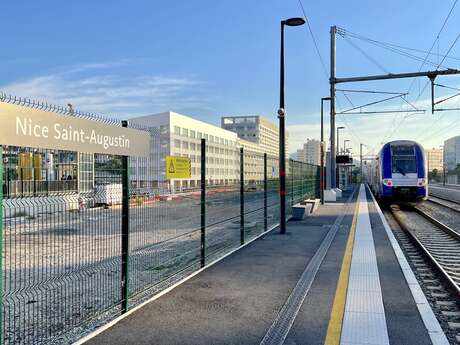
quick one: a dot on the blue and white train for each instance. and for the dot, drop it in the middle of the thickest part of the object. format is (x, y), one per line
(399, 173)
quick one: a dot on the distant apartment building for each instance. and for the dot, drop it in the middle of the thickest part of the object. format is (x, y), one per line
(256, 129)
(310, 152)
(174, 134)
(434, 159)
(452, 153)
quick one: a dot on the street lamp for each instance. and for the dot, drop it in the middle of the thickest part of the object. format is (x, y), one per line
(344, 145)
(281, 115)
(322, 177)
(338, 141)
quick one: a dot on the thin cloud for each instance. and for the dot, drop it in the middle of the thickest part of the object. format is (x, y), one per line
(106, 91)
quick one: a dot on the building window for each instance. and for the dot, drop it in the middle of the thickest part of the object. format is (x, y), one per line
(185, 145)
(199, 135)
(192, 134)
(177, 144)
(185, 132)
(164, 130)
(177, 130)
(192, 146)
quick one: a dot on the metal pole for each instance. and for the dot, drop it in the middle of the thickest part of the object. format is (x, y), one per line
(332, 96)
(428, 166)
(282, 153)
(203, 202)
(291, 164)
(321, 158)
(1, 247)
(124, 230)
(265, 193)
(361, 162)
(241, 196)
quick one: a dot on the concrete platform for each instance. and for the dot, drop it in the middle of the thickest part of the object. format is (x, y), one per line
(286, 289)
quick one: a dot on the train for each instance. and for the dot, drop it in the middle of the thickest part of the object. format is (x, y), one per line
(398, 173)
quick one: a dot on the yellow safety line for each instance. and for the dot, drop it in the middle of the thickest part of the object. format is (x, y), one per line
(334, 329)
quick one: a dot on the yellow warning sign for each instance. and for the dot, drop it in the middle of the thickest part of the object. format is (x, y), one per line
(178, 167)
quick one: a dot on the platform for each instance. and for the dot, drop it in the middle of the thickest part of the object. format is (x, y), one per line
(336, 277)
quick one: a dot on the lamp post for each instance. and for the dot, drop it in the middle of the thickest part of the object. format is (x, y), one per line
(344, 145)
(336, 167)
(281, 115)
(338, 141)
(322, 181)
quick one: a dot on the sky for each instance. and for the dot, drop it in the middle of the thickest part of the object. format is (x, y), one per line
(208, 59)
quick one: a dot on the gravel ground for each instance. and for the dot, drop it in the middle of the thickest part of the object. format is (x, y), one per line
(63, 269)
(444, 215)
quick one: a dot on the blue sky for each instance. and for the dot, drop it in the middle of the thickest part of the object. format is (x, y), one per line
(212, 58)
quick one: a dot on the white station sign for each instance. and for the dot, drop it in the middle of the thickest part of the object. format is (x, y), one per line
(28, 127)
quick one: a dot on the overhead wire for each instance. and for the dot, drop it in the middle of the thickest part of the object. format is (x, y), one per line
(421, 66)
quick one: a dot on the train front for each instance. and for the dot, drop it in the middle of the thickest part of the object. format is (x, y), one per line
(403, 171)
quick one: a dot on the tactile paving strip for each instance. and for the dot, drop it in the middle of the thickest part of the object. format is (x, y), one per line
(364, 320)
(280, 327)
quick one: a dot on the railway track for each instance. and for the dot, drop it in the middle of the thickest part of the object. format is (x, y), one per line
(433, 250)
(448, 204)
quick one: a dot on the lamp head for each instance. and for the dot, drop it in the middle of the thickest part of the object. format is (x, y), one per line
(296, 21)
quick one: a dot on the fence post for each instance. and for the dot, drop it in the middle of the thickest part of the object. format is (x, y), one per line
(124, 230)
(1, 245)
(292, 181)
(241, 196)
(203, 202)
(265, 193)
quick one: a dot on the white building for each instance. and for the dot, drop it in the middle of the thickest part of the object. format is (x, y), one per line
(310, 152)
(452, 153)
(174, 134)
(256, 129)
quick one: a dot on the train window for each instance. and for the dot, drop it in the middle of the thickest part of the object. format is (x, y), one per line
(404, 164)
(402, 150)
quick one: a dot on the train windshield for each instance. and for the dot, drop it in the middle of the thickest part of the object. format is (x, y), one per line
(403, 159)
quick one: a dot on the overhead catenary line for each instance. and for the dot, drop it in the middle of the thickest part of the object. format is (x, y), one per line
(384, 45)
(420, 68)
(313, 39)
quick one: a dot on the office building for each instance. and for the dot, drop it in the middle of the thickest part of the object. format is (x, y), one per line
(310, 152)
(452, 153)
(434, 159)
(256, 129)
(173, 134)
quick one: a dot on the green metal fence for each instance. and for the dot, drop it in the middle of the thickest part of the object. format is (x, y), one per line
(74, 258)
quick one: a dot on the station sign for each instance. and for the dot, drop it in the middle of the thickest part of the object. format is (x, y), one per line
(178, 167)
(28, 127)
(343, 159)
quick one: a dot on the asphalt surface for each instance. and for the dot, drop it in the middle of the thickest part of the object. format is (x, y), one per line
(404, 323)
(235, 301)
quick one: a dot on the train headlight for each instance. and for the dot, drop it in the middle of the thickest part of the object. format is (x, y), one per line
(387, 182)
(421, 182)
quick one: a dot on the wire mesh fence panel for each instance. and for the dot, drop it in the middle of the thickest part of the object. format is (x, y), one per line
(61, 260)
(273, 199)
(164, 222)
(303, 181)
(254, 196)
